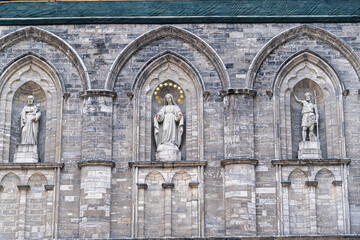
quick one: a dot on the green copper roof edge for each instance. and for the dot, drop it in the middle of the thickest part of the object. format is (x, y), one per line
(176, 20)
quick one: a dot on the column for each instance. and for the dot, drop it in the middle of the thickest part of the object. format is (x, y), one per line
(96, 164)
(23, 188)
(239, 193)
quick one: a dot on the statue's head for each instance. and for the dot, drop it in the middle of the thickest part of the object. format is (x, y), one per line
(308, 96)
(30, 100)
(169, 99)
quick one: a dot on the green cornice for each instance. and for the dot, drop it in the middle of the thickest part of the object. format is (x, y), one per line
(171, 12)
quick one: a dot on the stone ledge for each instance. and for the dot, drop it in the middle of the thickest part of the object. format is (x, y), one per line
(285, 183)
(229, 161)
(311, 183)
(23, 187)
(97, 92)
(194, 184)
(164, 164)
(96, 162)
(4, 166)
(168, 185)
(240, 91)
(310, 162)
(142, 186)
(49, 186)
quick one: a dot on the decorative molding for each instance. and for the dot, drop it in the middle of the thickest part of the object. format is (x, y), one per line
(337, 183)
(8, 166)
(142, 186)
(66, 96)
(311, 183)
(269, 93)
(130, 95)
(230, 161)
(97, 92)
(206, 94)
(165, 164)
(168, 185)
(285, 183)
(23, 187)
(49, 186)
(310, 162)
(240, 91)
(96, 162)
(194, 184)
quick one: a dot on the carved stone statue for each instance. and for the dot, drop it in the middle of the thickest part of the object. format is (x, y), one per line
(309, 147)
(168, 129)
(29, 117)
(309, 117)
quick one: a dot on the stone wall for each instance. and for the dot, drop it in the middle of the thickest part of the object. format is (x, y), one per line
(239, 174)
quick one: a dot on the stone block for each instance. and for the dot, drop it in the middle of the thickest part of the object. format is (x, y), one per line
(26, 153)
(309, 150)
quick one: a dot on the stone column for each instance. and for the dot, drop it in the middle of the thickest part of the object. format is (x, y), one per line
(238, 122)
(97, 124)
(95, 193)
(23, 188)
(239, 193)
(96, 164)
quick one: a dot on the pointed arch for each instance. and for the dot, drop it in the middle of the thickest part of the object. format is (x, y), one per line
(298, 172)
(51, 39)
(168, 56)
(162, 32)
(303, 30)
(326, 172)
(309, 56)
(36, 177)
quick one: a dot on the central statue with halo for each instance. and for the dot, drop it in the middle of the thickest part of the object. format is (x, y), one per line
(309, 147)
(168, 130)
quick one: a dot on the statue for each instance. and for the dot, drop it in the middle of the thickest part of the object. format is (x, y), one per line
(168, 129)
(309, 117)
(309, 148)
(30, 116)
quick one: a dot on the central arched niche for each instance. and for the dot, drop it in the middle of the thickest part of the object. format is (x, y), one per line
(168, 67)
(18, 103)
(307, 85)
(306, 71)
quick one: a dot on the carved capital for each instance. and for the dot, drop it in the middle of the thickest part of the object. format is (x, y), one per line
(168, 185)
(285, 183)
(241, 91)
(206, 94)
(49, 186)
(142, 186)
(346, 92)
(311, 183)
(66, 96)
(97, 92)
(23, 187)
(130, 95)
(269, 93)
(194, 184)
(96, 162)
(337, 183)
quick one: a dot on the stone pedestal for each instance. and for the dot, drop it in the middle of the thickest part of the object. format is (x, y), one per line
(309, 150)
(26, 153)
(168, 152)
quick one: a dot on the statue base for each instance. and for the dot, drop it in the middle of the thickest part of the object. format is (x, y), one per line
(167, 152)
(26, 153)
(309, 150)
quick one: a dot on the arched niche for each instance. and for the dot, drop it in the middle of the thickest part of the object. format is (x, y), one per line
(31, 74)
(18, 102)
(168, 67)
(306, 71)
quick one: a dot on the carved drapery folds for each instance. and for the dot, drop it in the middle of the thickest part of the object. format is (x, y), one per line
(168, 73)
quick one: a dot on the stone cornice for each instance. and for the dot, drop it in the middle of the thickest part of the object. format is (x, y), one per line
(97, 92)
(23, 187)
(230, 161)
(164, 164)
(310, 162)
(44, 165)
(240, 91)
(96, 162)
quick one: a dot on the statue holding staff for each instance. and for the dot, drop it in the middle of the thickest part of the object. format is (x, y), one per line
(310, 117)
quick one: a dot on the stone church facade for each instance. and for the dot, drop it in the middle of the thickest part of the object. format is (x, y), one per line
(240, 170)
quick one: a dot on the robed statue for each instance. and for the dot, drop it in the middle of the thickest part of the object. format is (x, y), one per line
(168, 130)
(30, 117)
